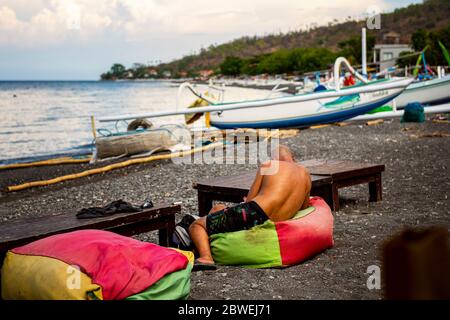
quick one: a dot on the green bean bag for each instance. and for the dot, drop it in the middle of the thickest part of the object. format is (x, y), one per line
(277, 244)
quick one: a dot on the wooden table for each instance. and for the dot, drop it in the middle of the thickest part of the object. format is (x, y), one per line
(21, 231)
(345, 173)
(327, 177)
(234, 188)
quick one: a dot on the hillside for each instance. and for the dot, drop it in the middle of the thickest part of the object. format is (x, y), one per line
(430, 15)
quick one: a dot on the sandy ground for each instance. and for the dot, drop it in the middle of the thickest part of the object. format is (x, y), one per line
(416, 193)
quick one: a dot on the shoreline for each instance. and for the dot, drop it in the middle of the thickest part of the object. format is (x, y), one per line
(83, 147)
(416, 193)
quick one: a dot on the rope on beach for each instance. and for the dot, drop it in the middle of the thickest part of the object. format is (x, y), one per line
(110, 167)
(50, 162)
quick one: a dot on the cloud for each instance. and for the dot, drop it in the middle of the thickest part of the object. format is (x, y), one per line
(54, 22)
(46, 22)
(8, 19)
(79, 39)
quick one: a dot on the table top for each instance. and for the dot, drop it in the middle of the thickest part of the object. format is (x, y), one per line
(244, 181)
(322, 172)
(341, 169)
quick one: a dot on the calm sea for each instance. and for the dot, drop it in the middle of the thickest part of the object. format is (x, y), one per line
(40, 119)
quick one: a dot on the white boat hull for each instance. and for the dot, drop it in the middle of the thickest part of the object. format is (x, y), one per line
(305, 113)
(436, 91)
(443, 108)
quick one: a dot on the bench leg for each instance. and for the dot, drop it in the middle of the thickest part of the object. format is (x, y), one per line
(375, 189)
(326, 193)
(163, 237)
(205, 203)
(335, 195)
(165, 233)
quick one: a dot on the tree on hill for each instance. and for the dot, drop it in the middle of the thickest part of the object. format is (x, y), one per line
(298, 60)
(419, 40)
(311, 59)
(106, 76)
(429, 40)
(276, 63)
(351, 48)
(231, 66)
(117, 70)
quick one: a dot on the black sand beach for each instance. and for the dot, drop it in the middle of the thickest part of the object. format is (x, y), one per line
(416, 193)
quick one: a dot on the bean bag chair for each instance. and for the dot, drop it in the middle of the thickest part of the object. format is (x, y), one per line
(95, 264)
(277, 244)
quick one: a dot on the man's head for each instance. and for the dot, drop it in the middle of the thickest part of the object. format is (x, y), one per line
(283, 153)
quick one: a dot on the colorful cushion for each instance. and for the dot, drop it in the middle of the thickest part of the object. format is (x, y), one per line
(277, 244)
(110, 267)
(172, 287)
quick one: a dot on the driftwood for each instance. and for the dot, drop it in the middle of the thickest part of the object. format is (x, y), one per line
(416, 265)
(437, 134)
(374, 122)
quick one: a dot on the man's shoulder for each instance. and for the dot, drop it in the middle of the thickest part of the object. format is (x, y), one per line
(267, 163)
(283, 165)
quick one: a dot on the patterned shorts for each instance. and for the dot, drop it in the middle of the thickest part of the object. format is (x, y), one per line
(241, 217)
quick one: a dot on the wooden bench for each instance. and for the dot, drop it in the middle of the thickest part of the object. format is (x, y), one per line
(327, 177)
(21, 231)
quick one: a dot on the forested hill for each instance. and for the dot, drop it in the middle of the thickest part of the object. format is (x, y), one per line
(418, 24)
(431, 15)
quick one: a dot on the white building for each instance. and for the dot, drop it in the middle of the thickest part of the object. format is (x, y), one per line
(167, 74)
(388, 52)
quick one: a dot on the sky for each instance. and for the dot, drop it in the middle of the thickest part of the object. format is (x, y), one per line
(80, 39)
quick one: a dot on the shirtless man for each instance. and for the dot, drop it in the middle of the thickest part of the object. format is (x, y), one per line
(277, 197)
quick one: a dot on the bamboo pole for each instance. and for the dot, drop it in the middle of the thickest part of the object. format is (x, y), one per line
(94, 134)
(109, 168)
(50, 162)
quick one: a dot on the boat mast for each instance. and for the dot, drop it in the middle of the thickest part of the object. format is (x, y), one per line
(364, 52)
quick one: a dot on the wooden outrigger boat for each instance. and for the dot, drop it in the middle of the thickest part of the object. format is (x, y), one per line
(298, 110)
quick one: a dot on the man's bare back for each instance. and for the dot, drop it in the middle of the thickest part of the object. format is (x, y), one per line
(282, 194)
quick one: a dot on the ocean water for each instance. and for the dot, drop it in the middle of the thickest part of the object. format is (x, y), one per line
(41, 119)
